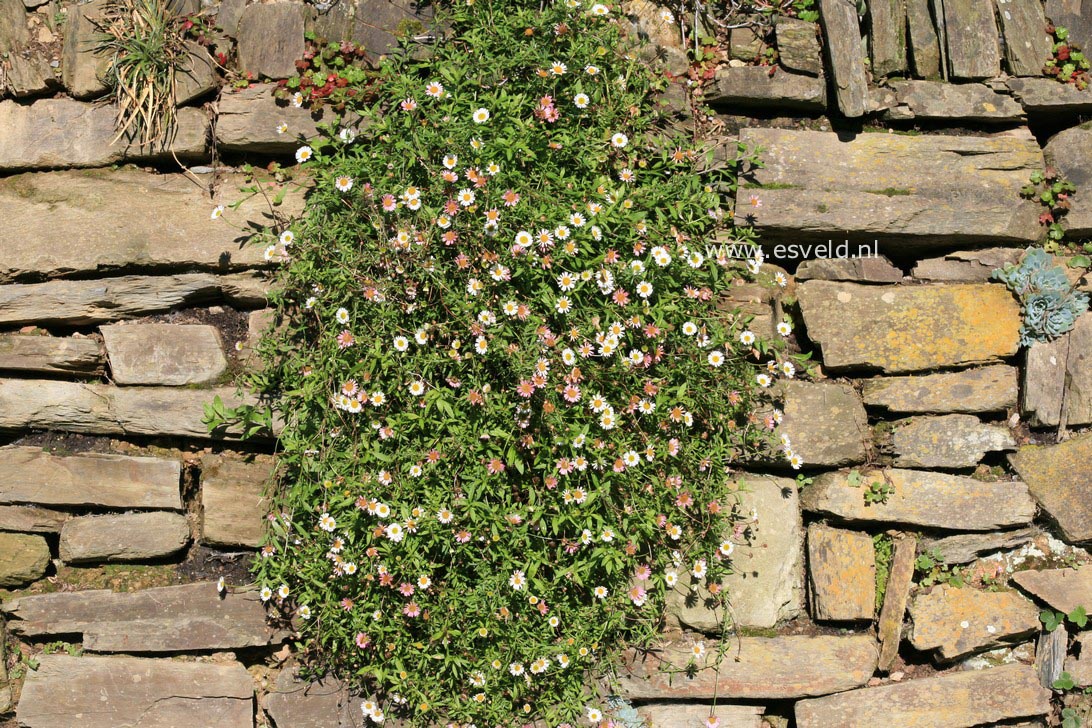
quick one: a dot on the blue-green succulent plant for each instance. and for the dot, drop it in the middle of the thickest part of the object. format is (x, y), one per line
(1049, 303)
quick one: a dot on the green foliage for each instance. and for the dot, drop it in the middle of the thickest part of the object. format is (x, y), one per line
(1064, 682)
(336, 74)
(884, 547)
(1069, 64)
(1052, 620)
(53, 648)
(878, 491)
(931, 570)
(1049, 304)
(1054, 195)
(511, 396)
(1070, 718)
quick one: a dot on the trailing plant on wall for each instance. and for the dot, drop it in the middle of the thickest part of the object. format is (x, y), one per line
(1049, 304)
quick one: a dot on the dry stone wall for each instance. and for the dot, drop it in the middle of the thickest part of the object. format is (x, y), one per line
(124, 309)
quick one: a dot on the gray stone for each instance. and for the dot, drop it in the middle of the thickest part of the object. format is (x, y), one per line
(1047, 97)
(860, 270)
(271, 39)
(1050, 655)
(968, 102)
(907, 192)
(1044, 382)
(798, 45)
(1079, 666)
(54, 133)
(51, 354)
(31, 475)
(974, 50)
(845, 57)
(27, 404)
(1058, 477)
(1061, 589)
(660, 42)
(30, 519)
(921, 498)
(1075, 16)
(82, 67)
(674, 715)
(1078, 373)
(123, 537)
(950, 700)
(964, 548)
(247, 120)
(947, 441)
(982, 389)
(745, 44)
(826, 423)
(966, 266)
(232, 500)
(182, 618)
(1027, 45)
(754, 668)
(922, 39)
(767, 583)
(887, 37)
(901, 329)
(841, 574)
(897, 594)
(326, 703)
(1070, 151)
(23, 559)
(122, 692)
(227, 18)
(167, 223)
(375, 25)
(197, 76)
(164, 354)
(29, 74)
(754, 86)
(958, 622)
(754, 301)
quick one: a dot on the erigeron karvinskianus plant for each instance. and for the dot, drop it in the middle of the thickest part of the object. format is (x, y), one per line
(511, 403)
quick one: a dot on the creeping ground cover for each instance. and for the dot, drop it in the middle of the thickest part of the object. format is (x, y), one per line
(511, 392)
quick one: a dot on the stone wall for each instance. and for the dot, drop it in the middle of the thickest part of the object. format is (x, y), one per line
(124, 309)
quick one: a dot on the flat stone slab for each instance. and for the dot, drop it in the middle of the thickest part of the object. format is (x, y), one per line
(325, 703)
(23, 558)
(845, 55)
(964, 548)
(922, 39)
(52, 133)
(826, 423)
(768, 584)
(753, 86)
(798, 45)
(232, 500)
(271, 39)
(674, 715)
(31, 519)
(966, 266)
(922, 498)
(31, 475)
(123, 537)
(980, 390)
(1045, 96)
(974, 50)
(1078, 373)
(897, 594)
(887, 37)
(164, 354)
(952, 700)
(754, 668)
(1080, 667)
(842, 574)
(946, 441)
(248, 120)
(127, 692)
(860, 270)
(957, 622)
(1027, 45)
(1063, 589)
(164, 619)
(900, 329)
(1069, 151)
(51, 354)
(1058, 477)
(1043, 400)
(167, 223)
(939, 101)
(907, 192)
(31, 404)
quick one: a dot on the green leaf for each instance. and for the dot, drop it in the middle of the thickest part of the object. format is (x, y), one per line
(1079, 617)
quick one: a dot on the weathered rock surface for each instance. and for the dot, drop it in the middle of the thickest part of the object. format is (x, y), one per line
(51, 354)
(247, 120)
(79, 303)
(845, 55)
(123, 537)
(969, 266)
(271, 39)
(947, 441)
(958, 622)
(65, 133)
(970, 102)
(983, 389)
(841, 574)
(125, 692)
(27, 404)
(1043, 398)
(164, 619)
(1050, 650)
(165, 354)
(922, 39)
(1047, 97)
(768, 584)
(83, 69)
(1057, 476)
(232, 501)
(753, 86)
(826, 423)
(860, 270)
(1080, 667)
(798, 45)
(1063, 589)
(974, 50)
(325, 703)
(756, 668)
(952, 700)
(899, 580)
(374, 24)
(966, 547)
(1075, 16)
(30, 519)
(23, 558)
(908, 192)
(887, 37)
(196, 76)
(30, 475)
(1070, 151)
(903, 329)
(1027, 45)
(26, 69)
(673, 715)
(1078, 373)
(922, 498)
